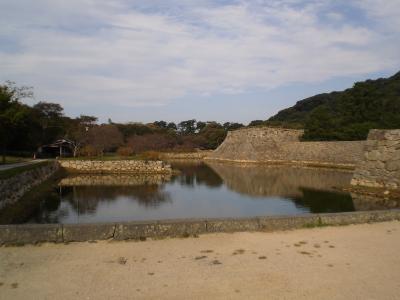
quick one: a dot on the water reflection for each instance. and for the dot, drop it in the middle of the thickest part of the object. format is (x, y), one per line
(194, 173)
(86, 199)
(265, 180)
(324, 202)
(197, 190)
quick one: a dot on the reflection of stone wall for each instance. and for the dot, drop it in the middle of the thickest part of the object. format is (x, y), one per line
(116, 166)
(365, 202)
(381, 164)
(283, 145)
(278, 180)
(114, 180)
(12, 189)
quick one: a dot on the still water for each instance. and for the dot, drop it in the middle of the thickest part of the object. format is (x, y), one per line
(197, 190)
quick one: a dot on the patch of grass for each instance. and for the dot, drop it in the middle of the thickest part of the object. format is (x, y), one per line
(14, 159)
(5, 174)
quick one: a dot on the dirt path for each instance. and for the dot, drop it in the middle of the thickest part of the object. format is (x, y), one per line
(351, 262)
(20, 164)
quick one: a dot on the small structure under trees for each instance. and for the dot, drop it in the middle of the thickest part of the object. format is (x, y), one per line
(60, 148)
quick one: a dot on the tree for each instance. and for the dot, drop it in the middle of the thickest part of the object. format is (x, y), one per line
(213, 135)
(105, 137)
(322, 122)
(256, 123)
(13, 115)
(348, 114)
(78, 131)
(49, 110)
(200, 125)
(50, 115)
(154, 141)
(161, 124)
(232, 126)
(87, 121)
(172, 126)
(187, 127)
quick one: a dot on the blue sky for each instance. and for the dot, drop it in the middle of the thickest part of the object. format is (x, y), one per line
(132, 60)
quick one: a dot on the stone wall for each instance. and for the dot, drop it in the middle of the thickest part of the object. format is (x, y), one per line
(116, 167)
(38, 233)
(185, 155)
(13, 188)
(380, 167)
(284, 146)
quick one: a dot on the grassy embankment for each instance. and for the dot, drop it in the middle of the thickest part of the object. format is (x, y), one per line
(14, 159)
(4, 174)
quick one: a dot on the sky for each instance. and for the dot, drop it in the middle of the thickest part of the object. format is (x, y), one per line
(223, 60)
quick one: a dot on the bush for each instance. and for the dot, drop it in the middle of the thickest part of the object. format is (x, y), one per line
(151, 155)
(125, 151)
(88, 150)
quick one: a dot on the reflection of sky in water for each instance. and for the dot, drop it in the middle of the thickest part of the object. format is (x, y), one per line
(197, 192)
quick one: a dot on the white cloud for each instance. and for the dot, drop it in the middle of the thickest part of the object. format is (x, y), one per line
(126, 53)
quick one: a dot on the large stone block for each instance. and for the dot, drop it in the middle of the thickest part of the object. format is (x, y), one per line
(382, 161)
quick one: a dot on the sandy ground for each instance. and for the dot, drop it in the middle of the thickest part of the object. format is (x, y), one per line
(351, 262)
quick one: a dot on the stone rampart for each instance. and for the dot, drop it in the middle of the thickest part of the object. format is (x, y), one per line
(277, 145)
(380, 167)
(116, 166)
(13, 188)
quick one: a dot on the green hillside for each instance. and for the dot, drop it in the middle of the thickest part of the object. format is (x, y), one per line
(346, 115)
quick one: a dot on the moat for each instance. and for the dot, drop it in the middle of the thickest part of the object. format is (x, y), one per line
(195, 190)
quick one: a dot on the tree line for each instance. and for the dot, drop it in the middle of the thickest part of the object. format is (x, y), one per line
(346, 115)
(24, 128)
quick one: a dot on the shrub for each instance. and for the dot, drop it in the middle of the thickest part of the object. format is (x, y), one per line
(125, 151)
(151, 155)
(88, 150)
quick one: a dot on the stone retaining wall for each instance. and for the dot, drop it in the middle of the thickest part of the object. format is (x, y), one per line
(380, 167)
(277, 145)
(12, 189)
(185, 155)
(31, 234)
(116, 166)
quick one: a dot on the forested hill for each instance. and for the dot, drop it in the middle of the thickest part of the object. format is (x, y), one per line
(346, 115)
